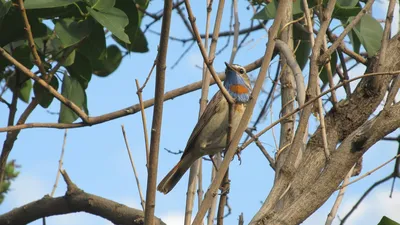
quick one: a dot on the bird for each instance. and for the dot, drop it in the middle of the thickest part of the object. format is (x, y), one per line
(210, 133)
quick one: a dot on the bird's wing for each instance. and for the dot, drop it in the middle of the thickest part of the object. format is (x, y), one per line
(212, 108)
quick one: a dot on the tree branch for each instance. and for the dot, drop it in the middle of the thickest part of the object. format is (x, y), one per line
(157, 115)
(74, 200)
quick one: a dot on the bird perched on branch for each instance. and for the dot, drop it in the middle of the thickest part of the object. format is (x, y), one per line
(210, 133)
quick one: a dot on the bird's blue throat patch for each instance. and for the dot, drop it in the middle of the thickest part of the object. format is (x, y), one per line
(236, 86)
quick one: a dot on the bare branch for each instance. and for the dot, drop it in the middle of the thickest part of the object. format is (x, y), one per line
(60, 164)
(157, 115)
(32, 45)
(263, 150)
(369, 172)
(75, 200)
(142, 202)
(339, 198)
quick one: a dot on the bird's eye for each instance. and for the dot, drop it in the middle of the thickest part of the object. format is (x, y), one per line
(241, 71)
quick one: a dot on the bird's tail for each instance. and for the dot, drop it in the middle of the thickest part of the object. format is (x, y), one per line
(173, 177)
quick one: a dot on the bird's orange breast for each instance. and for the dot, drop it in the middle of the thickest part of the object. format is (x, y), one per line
(239, 89)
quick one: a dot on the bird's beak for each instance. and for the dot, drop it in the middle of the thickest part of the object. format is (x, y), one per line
(229, 66)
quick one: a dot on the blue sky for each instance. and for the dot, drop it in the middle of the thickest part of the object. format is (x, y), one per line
(96, 158)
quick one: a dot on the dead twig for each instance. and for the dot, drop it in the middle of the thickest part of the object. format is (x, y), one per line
(142, 202)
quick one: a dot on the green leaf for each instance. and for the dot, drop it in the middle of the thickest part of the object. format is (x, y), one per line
(22, 54)
(69, 60)
(42, 94)
(38, 4)
(304, 49)
(81, 70)
(94, 46)
(324, 74)
(25, 86)
(12, 27)
(102, 4)
(4, 7)
(71, 32)
(113, 19)
(25, 91)
(139, 45)
(370, 32)
(134, 17)
(268, 12)
(111, 63)
(386, 221)
(354, 41)
(344, 12)
(72, 90)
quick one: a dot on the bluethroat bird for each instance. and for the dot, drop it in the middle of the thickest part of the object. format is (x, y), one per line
(210, 133)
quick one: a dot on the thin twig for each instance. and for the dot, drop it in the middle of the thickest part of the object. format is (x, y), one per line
(32, 45)
(241, 219)
(182, 55)
(369, 172)
(143, 114)
(263, 150)
(228, 40)
(236, 32)
(159, 15)
(60, 164)
(384, 41)
(204, 100)
(393, 92)
(345, 72)
(144, 121)
(343, 220)
(333, 94)
(339, 198)
(208, 60)
(142, 202)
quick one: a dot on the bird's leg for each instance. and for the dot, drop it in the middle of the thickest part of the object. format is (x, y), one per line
(213, 162)
(238, 155)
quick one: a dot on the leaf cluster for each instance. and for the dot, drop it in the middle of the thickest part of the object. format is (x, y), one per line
(71, 33)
